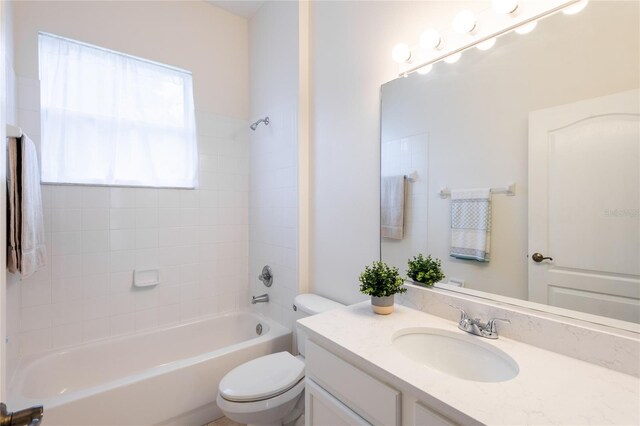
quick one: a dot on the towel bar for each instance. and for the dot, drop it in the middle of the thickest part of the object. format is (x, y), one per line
(14, 131)
(509, 190)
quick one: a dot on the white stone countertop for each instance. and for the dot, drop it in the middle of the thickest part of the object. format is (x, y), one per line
(550, 388)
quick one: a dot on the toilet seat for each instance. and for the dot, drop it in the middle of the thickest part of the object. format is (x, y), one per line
(262, 378)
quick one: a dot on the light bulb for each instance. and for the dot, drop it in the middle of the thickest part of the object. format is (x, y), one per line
(401, 53)
(425, 70)
(452, 59)
(464, 22)
(431, 39)
(527, 28)
(505, 7)
(575, 8)
(487, 44)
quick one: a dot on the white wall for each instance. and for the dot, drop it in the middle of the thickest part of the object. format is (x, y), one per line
(351, 43)
(10, 311)
(96, 237)
(273, 236)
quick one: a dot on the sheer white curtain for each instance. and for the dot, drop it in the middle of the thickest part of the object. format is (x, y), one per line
(112, 119)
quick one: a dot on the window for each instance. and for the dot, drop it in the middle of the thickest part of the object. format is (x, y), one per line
(113, 119)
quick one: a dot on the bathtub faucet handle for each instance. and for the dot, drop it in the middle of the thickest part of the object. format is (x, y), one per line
(266, 276)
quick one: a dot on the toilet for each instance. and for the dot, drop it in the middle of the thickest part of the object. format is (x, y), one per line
(269, 390)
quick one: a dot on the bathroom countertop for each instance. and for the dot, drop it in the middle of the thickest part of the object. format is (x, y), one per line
(549, 389)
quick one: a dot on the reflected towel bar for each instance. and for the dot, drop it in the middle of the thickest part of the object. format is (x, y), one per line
(509, 190)
(13, 131)
(412, 177)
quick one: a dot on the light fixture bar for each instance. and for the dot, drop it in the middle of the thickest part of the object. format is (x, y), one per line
(505, 30)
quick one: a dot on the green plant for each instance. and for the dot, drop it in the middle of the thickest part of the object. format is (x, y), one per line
(380, 280)
(425, 270)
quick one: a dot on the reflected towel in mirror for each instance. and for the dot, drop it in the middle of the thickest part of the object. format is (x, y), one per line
(392, 207)
(471, 224)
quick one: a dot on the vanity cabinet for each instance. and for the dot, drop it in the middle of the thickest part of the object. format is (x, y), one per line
(338, 393)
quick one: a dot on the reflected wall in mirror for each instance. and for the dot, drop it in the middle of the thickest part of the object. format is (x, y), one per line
(556, 112)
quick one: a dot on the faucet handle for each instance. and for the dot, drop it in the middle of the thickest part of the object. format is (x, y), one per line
(491, 324)
(463, 314)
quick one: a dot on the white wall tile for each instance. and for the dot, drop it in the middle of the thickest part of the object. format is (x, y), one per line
(123, 198)
(95, 329)
(65, 220)
(98, 236)
(122, 324)
(95, 241)
(95, 197)
(122, 218)
(123, 239)
(95, 219)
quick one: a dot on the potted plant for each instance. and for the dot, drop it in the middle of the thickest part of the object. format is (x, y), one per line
(425, 271)
(381, 282)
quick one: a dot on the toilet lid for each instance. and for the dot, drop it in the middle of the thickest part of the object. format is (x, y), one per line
(262, 378)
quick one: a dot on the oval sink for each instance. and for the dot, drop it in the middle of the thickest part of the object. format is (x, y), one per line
(457, 354)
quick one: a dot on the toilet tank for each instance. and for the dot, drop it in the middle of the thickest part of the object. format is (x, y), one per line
(306, 305)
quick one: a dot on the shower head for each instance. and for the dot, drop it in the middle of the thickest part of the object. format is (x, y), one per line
(262, 120)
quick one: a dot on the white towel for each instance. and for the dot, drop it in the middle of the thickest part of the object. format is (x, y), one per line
(471, 224)
(392, 207)
(27, 249)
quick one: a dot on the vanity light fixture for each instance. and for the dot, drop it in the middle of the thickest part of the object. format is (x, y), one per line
(464, 22)
(425, 70)
(487, 44)
(575, 8)
(527, 28)
(401, 53)
(505, 7)
(452, 59)
(431, 39)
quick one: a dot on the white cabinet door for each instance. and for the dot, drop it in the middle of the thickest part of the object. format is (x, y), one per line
(584, 195)
(322, 409)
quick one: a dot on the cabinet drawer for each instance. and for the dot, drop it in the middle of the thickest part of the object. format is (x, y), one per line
(373, 400)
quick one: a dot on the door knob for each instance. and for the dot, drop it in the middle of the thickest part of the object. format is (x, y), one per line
(538, 257)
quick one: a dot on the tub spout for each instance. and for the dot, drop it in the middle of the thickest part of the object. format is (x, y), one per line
(27, 417)
(260, 299)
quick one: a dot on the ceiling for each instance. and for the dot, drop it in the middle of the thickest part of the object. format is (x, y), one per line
(244, 8)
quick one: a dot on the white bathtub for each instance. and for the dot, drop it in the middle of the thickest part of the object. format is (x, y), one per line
(166, 376)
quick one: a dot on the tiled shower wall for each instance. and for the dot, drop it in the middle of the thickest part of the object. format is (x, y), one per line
(273, 196)
(97, 236)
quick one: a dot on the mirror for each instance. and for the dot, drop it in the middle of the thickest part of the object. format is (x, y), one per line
(555, 112)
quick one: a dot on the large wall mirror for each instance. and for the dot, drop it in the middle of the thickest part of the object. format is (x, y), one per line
(555, 112)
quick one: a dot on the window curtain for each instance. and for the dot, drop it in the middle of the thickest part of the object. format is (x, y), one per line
(112, 119)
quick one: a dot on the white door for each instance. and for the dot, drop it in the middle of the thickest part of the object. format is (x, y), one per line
(584, 195)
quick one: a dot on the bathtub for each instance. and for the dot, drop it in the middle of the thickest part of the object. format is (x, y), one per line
(167, 376)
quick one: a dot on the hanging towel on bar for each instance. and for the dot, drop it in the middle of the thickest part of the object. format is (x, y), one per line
(27, 250)
(392, 207)
(471, 224)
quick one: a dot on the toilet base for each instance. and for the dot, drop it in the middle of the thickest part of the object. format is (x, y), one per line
(282, 410)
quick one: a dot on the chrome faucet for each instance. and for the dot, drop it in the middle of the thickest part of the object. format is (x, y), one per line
(477, 327)
(27, 417)
(263, 298)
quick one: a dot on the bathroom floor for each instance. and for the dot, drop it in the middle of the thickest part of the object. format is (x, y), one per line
(223, 422)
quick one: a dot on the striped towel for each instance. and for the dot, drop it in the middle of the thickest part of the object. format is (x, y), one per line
(471, 224)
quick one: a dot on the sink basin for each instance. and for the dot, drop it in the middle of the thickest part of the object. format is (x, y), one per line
(457, 354)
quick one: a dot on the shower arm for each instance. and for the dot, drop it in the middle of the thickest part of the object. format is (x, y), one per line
(262, 120)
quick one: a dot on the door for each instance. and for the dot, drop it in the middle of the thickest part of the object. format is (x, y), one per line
(584, 195)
